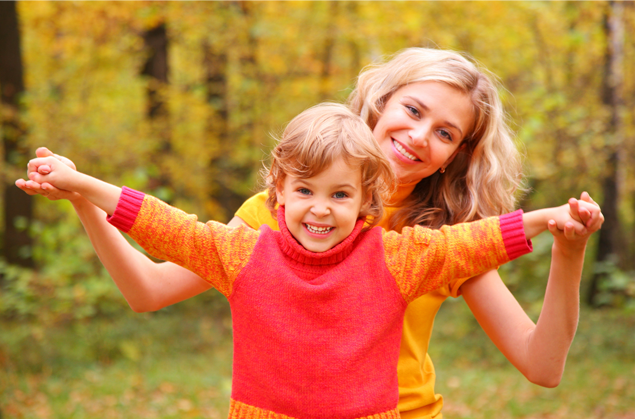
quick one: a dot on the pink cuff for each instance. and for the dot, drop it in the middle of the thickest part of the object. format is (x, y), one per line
(513, 233)
(127, 209)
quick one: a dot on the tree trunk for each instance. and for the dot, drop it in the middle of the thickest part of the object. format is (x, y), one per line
(608, 243)
(215, 65)
(156, 68)
(353, 16)
(18, 206)
(227, 184)
(326, 89)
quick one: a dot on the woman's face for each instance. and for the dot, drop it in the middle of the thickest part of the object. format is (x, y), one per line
(422, 127)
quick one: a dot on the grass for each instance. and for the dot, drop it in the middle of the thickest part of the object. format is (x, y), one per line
(177, 363)
(480, 383)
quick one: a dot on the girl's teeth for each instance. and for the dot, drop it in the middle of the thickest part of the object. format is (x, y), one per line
(318, 230)
(403, 151)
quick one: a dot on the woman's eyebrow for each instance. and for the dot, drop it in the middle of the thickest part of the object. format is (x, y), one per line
(426, 108)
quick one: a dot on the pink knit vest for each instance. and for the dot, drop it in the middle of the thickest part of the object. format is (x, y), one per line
(317, 335)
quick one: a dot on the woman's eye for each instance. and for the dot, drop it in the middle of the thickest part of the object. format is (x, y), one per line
(414, 111)
(340, 195)
(445, 134)
(304, 191)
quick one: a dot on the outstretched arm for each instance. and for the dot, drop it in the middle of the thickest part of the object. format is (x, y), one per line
(146, 285)
(539, 351)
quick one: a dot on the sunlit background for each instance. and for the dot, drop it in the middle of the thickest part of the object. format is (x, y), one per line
(183, 100)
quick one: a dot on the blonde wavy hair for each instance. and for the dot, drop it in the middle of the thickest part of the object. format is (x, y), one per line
(483, 178)
(319, 136)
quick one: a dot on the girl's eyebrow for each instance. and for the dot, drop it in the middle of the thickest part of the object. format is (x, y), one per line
(426, 108)
(308, 183)
(345, 185)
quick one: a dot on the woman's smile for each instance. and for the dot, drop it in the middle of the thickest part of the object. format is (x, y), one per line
(421, 128)
(403, 152)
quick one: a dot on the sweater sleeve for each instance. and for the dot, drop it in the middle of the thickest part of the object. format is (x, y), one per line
(213, 251)
(422, 259)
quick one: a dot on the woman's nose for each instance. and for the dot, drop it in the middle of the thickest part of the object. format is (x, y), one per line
(419, 135)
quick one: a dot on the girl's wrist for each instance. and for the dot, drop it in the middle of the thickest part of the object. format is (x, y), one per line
(80, 203)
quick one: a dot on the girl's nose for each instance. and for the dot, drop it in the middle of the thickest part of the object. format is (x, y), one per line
(320, 209)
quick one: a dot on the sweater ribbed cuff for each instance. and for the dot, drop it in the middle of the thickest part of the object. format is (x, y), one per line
(127, 209)
(513, 232)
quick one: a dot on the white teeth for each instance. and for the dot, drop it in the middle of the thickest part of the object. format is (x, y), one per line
(403, 151)
(318, 230)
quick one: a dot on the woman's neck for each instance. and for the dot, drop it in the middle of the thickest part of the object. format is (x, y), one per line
(401, 192)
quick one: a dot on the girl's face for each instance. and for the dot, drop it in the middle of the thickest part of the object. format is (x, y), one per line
(322, 210)
(422, 127)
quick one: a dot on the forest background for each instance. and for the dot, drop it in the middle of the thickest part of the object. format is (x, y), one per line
(183, 100)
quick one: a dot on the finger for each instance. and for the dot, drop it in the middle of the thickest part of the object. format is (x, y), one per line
(35, 186)
(553, 228)
(596, 222)
(584, 196)
(577, 227)
(33, 164)
(44, 169)
(570, 231)
(37, 177)
(585, 215)
(55, 194)
(43, 152)
(21, 183)
(574, 209)
(66, 161)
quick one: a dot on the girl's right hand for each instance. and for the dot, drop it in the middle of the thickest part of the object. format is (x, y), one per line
(46, 189)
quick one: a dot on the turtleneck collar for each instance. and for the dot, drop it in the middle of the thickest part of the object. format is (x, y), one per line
(293, 249)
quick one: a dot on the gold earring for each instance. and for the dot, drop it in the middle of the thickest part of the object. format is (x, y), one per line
(442, 170)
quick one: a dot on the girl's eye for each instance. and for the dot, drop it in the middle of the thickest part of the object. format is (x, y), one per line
(340, 195)
(304, 191)
(414, 111)
(445, 135)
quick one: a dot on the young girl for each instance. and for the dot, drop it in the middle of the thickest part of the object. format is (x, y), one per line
(317, 315)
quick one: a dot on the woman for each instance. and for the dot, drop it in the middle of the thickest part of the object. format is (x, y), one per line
(440, 121)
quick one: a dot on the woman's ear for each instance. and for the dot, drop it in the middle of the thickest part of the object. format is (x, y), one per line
(451, 158)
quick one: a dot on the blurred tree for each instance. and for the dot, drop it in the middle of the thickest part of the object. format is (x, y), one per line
(156, 68)
(233, 165)
(220, 77)
(18, 207)
(215, 66)
(330, 34)
(612, 85)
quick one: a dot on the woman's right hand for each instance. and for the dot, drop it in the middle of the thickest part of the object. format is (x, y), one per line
(46, 189)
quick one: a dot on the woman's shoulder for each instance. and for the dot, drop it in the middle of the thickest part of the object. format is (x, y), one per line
(255, 213)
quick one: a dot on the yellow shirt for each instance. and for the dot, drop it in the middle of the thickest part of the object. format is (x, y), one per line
(417, 398)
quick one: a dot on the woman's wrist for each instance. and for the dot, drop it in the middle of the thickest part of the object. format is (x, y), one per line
(570, 249)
